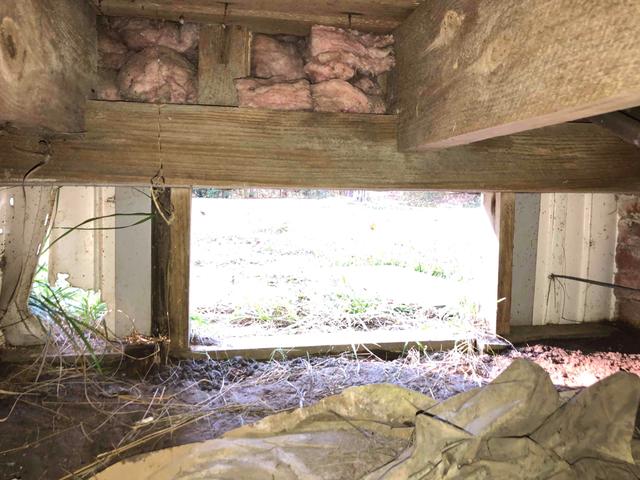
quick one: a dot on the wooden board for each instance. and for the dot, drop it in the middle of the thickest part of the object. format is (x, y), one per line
(125, 144)
(621, 124)
(470, 70)
(300, 345)
(224, 56)
(272, 16)
(500, 210)
(47, 62)
(525, 334)
(506, 220)
(170, 247)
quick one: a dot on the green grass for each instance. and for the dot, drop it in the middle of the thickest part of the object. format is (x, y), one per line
(76, 312)
(358, 306)
(435, 270)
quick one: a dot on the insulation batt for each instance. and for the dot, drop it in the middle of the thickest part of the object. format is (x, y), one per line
(112, 53)
(106, 85)
(158, 74)
(336, 53)
(141, 33)
(269, 94)
(273, 58)
(339, 96)
(368, 85)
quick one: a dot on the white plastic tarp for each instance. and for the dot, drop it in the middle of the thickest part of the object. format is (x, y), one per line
(514, 428)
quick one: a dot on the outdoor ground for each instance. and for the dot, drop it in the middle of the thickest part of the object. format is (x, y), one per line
(373, 260)
(56, 421)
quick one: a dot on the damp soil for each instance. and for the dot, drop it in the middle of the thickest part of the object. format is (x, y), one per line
(68, 418)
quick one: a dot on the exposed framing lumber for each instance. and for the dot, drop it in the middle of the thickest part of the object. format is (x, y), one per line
(125, 144)
(224, 56)
(506, 222)
(289, 346)
(48, 59)
(272, 16)
(170, 247)
(470, 70)
(620, 124)
(500, 208)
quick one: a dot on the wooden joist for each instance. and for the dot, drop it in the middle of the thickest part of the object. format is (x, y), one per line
(47, 63)
(126, 143)
(470, 70)
(620, 124)
(272, 16)
(224, 56)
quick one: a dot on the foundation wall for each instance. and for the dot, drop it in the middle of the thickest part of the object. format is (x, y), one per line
(577, 237)
(628, 259)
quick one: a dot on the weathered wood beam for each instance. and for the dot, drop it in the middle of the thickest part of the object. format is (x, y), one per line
(272, 16)
(506, 219)
(225, 54)
(47, 62)
(470, 70)
(171, 237)
(126, 143)
(620, 124)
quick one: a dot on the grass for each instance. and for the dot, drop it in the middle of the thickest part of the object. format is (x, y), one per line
(70, 312)
(286, 266)
(71, 315)
(217, 395)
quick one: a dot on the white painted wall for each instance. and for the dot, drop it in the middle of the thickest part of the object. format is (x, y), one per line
(577, 237)
(525, 249)
(133, 264)
(115, 262)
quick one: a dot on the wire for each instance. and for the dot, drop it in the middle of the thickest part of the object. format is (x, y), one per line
(594, 282)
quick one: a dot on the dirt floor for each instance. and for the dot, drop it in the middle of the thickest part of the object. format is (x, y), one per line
(57, 422)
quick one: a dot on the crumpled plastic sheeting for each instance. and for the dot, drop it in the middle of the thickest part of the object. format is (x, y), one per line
(513, 428)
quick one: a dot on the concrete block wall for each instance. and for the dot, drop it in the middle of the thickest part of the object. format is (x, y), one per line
(628, 259)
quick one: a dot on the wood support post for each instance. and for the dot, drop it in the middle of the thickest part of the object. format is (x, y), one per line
(224, 55)
(506, 224)
(170, 246)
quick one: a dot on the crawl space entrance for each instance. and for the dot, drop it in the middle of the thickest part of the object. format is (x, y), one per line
(271, 268)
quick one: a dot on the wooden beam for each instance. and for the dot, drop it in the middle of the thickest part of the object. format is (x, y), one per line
(224, 56)
(170, 247)
(126, 143)
(378, 342)
(272, 16)
(620, 124)
(529, 334)
(48, 59)
(470, 70)
(506, 219)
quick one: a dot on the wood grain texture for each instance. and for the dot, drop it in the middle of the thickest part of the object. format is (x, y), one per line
(622, 125)
(224, 55)
(506, 221)
(272, 16)
(47, 62)
(125, 144)
(170, 249)
(470, 70)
